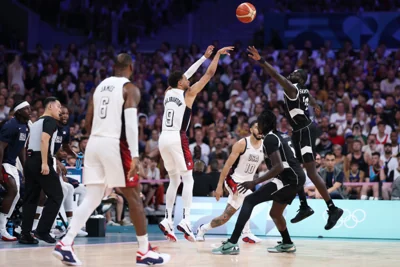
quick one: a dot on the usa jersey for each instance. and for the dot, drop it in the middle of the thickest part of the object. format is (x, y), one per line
(176, 114)
(14, 133)
(247, 163)
(297, 109)
(292, 172)
(108, 104)
(62, 138)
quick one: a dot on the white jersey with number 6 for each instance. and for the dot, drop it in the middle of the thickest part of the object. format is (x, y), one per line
(176, 114)
(247, 163)
(108, 104)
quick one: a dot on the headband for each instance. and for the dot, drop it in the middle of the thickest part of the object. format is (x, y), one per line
(21, 106)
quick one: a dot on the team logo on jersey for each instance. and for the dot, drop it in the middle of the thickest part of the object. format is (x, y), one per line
(22, 137)
(254, 158)
(59, 139)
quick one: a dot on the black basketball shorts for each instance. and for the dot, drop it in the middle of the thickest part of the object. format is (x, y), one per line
(304, 143)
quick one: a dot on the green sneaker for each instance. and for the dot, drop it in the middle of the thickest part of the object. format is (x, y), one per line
(283, 248)
(227, 248)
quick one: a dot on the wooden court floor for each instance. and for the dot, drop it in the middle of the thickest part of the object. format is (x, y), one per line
(310, 252)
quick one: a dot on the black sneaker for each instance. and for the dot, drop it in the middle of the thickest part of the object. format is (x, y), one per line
(334, 216)
(45, 237)
(302, 213)
(28, 239)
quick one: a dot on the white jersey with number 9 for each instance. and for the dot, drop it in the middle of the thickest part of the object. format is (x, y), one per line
(176, 114)
(108, 106)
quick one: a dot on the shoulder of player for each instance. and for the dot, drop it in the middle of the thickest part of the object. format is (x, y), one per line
(271, 136)
(240, 145)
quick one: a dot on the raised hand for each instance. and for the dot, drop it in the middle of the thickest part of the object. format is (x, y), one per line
(225, 50)
(209, 51)
(253, 53)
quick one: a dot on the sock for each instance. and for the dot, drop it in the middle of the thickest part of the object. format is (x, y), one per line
(3, 221)
(93, 198)
(69, 220)
(330, 204)
(187, 193)
(246, 229)
(174, 182)
(302, 198)
(364, 197)
(35, 224)
(206, 227)
(143, 243)
(376, 198)
(285, 237)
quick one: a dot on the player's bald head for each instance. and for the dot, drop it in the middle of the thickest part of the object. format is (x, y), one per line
(123, 61)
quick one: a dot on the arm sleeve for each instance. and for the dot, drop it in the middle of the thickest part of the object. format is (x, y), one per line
(189, 73)
(49, 126)
(271, 144)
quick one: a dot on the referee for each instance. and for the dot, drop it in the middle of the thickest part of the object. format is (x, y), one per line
(40, 174)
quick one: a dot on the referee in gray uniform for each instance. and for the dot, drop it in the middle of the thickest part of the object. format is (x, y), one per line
(40, 174)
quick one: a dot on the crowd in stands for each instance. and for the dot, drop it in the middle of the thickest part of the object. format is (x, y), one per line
(359, 92)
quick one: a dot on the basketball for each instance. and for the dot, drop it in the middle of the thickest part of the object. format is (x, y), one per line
(246, 12)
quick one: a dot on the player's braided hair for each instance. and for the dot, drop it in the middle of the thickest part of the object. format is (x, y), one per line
(266, 121)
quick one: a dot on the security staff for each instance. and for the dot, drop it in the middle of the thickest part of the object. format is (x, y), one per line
(40, 174)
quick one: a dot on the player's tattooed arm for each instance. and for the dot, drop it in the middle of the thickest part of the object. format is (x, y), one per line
(237, 149)
(288, 87)
(224, 217)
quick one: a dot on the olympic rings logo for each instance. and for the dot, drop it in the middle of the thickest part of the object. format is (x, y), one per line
(349, 219)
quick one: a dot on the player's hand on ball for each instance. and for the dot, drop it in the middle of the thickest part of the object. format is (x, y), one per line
(243, 187)
(134, 168)
(253, 53)
(225, 50)
(209, 51)
(219, 192)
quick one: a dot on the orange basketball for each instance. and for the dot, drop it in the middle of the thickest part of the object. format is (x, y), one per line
(246, 12)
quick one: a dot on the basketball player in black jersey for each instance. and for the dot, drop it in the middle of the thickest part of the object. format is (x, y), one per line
(297, 101)
(282, 189)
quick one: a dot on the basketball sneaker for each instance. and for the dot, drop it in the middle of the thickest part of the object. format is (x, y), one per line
(5, 236)
(168, 230)
(66, 255)
(151, 257)
(283, 248)
(334, 216)
(250, 238)
(227, 248)
(200, 234)
(186, 228)
(302, 213)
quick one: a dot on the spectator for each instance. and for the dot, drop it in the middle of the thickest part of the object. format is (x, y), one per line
(325, 144)
(218, 150)
(388, 85)
(202, 184)
(205, 149)
(354, 175)
(339, 157)
(375, 175)
(372, 146)
(152, 177)
(394, 143)
(358, 156)
(333, 136)
(333, 178)
(152, 145)
(392, 192)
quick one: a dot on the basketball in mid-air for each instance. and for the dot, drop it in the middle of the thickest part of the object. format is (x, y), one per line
(246, 12)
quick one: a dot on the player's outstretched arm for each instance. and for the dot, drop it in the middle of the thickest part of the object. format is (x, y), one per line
(132, 99)
(271, 143)
(237, 149)
(197, 87)
(192, 70)
(288, 87)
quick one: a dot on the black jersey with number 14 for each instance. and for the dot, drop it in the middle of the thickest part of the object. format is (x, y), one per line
(297, 109)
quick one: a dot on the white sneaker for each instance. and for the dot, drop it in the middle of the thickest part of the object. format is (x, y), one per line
(5, 236)
(168, 230)
(186, 228)
(151, 257)
(82, 233)
(112, 223)
(250, 238)
(200, 234)
(66, 255)
(57, 233)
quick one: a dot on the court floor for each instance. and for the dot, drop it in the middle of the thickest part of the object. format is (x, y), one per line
(118, 249)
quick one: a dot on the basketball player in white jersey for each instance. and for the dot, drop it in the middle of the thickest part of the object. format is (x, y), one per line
(246, 156)
(174, 144)
(111, 160)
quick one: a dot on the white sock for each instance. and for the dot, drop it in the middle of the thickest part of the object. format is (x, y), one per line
(143, 243)
(364, 197)
(39, 210)
(206, 227)
(93, 198)
(246, 228)
(3, 221)
(69, 220)
(174, 182)
(35, 224)
(187, 193)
